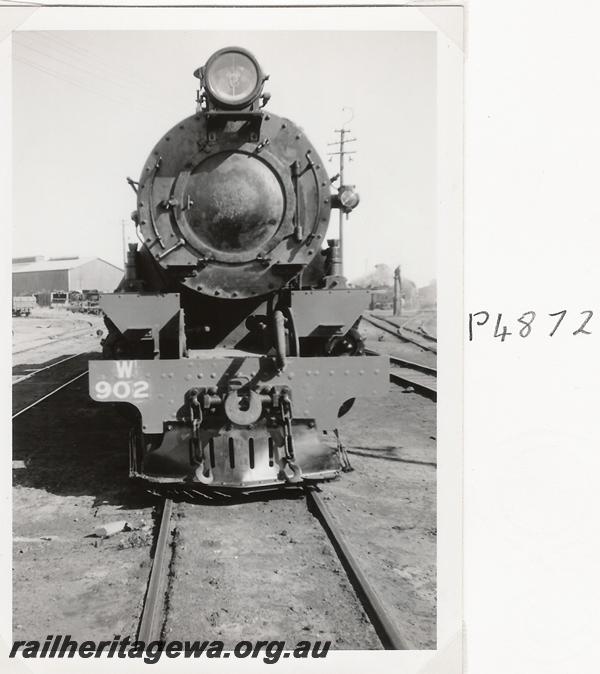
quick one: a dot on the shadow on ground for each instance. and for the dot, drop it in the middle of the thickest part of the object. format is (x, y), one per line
(73, 446)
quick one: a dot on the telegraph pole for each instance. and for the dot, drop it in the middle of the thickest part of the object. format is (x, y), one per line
(397, 291)
(341, 153)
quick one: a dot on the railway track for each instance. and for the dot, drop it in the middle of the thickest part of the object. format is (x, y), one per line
(419, 330)
(408, 374)
(48, 395)
(393, 329)
(43, 342)
(32, 393)
(35, 371)
(157, 598)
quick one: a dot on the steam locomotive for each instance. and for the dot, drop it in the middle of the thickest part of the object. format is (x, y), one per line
(233, 332)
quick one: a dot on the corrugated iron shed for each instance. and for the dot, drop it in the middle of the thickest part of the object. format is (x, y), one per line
(69, 273)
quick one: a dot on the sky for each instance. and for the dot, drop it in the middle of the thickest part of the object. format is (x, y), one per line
(89, 106)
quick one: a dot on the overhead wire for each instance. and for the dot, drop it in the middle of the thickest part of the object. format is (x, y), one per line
(68, 80)
(96, 70)
(121, 76)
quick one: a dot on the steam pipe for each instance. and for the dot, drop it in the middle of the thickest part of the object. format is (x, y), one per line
(280, 345)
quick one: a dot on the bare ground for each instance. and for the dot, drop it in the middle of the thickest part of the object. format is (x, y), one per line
(70, 475)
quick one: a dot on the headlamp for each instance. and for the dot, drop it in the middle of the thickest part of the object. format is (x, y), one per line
(348, 197)
(233, 78)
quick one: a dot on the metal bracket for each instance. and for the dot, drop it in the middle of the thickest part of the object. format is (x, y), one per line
(151, 200)
(296, 175)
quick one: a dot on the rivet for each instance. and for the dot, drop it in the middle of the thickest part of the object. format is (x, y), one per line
(323, 184)
(361, 372)
(213, 375)
(297, 136)
(143, 222)
(331, 373)
(167, 138)
(325, 201)
(171, 402)
(188, 376)
(200, 375)
(141, 204)
(171, 375)
(163, 375)
(310, 252)
(316, 371)
(161, 395)
(284, 126)
(306, 412)
(376, 371)
(318, 166)
(346, 372)
(291, 375)
(267, 117)
(181, 127)
(308, 372)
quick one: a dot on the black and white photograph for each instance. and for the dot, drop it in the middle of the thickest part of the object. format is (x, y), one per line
(303, 347)
(235, 252)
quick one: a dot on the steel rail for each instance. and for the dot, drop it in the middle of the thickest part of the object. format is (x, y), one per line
(419, 387)
(150, 627)
(397, 332)
(402, 362)
(387, 631)
(48, 342)
(56, 390)
(419, 367)
(417, 331)
(377, 324)
(48, 367)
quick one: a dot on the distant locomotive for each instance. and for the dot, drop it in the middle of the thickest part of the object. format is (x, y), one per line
(229, 328)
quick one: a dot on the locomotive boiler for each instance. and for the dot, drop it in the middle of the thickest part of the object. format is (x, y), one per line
(233, 333)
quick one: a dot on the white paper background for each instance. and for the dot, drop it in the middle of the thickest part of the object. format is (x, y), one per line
(532, 241)
(447, 23)
(532, 216)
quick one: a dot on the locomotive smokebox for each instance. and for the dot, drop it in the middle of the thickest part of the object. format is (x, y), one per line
(233, 202)
(238, 203)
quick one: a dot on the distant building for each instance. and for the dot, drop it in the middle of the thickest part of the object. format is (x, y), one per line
(31, 275)
(428, 295)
